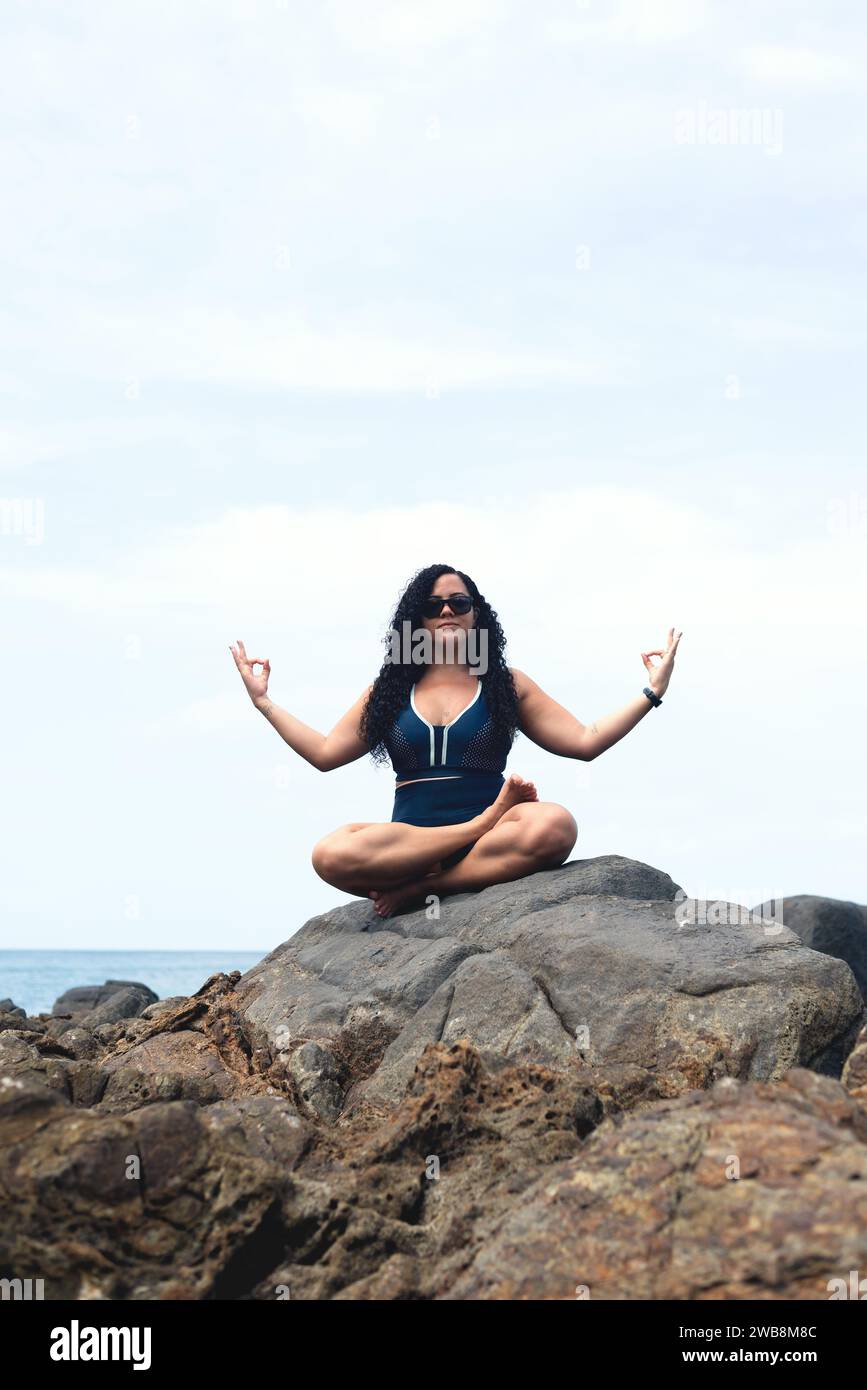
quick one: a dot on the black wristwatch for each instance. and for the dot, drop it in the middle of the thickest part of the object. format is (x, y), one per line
(652, 696)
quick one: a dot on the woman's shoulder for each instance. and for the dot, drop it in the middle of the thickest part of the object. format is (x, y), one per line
(521, 681)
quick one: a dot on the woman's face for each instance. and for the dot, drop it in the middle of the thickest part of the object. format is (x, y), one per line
(446, 627)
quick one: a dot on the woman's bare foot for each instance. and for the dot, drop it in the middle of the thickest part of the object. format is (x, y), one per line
(379, 895)
(389, 900)
(513, 791)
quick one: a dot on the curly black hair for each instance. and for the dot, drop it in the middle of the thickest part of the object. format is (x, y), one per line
(390, 690)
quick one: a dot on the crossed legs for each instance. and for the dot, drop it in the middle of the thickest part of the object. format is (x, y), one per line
(362, 854)
(538, 835)
(396, 864)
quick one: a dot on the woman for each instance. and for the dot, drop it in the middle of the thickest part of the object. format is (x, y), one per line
(457, 824)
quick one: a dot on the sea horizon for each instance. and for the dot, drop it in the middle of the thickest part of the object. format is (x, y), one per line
(34, 979)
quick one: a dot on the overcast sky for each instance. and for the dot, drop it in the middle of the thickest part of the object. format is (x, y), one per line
(299, 297)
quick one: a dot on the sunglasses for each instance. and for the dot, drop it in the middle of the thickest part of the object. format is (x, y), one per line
(458, 603)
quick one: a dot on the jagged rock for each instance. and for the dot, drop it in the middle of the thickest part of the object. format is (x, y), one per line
(589, 962)
(267, 1126)
(854, 1077)
(493, 1001)
(317, 1077)
(14, 1020)
(22, 1023)
(480, 1184)
(21, 1058)
(236, 1198)
(15, 1053)
(528, 1090)
(163, 1006)
(122, 1003)
(193, 1049)
(157, 1204)
(831, 925)
(169, 1066)
(18, 1057)
(79, 1042)
(83, 999)
(652, 1210)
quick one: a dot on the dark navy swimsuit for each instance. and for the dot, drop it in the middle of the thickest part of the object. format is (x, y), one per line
(461, 762)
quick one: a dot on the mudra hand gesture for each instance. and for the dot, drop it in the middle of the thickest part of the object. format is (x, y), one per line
(660, 675)
(257, 685)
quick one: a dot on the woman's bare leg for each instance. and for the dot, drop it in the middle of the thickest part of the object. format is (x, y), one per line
(362, 853)
(538, 835)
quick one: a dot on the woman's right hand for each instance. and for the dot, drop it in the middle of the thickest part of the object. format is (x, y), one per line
(257, 686)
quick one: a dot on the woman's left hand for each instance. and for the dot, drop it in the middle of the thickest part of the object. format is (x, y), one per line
(660, 675)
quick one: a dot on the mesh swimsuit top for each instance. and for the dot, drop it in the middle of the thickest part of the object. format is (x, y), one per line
(468, 743)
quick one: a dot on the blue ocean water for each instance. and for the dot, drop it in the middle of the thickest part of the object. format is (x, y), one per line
(34, 979)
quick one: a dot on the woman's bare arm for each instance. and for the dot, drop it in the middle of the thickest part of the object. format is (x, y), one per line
(342, 745)
(549, 724)
(557, 731)
(324, 751)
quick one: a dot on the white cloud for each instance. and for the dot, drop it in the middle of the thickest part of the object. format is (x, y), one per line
(350, 115)
(12, 385)
(183, 342)
(779, 63)
(208, 716)
(23, 443)
(636, 21)
(765, 329)
(401, 26)
(299, 570)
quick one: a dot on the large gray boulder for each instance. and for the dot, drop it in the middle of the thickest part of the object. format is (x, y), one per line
(596, 963)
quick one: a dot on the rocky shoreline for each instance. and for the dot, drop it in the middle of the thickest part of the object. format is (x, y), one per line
(557, 1087)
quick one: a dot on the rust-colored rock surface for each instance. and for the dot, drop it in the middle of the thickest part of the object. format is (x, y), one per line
(551, 1091)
